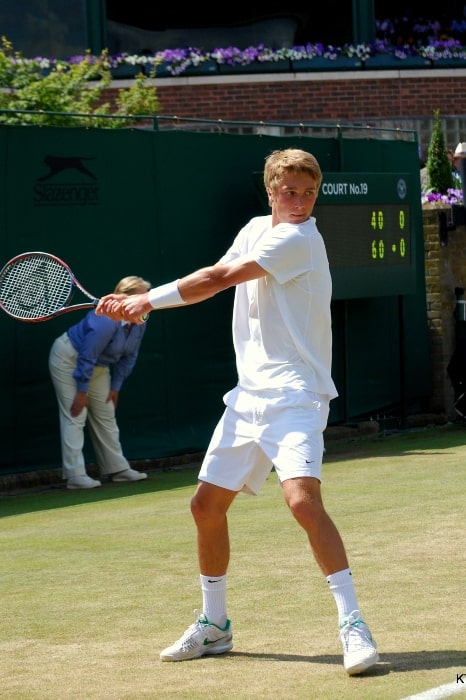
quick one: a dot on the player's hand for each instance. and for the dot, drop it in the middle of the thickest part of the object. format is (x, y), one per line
(135, 308)
(110, 305)
(121, 307)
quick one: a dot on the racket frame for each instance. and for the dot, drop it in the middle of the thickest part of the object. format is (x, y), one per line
(66, 307)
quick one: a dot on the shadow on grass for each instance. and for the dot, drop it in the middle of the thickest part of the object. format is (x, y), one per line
(401, 662)
(57, 496)
(397, 443)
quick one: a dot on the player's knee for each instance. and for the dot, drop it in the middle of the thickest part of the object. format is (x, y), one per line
(206, 512)
(305, 511)
(200, 509)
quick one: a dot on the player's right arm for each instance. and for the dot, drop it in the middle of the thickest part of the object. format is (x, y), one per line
(191, 289)
(209, 281)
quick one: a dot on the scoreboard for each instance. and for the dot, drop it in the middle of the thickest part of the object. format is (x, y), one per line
(368, 222)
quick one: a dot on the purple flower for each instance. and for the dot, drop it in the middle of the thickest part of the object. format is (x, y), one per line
(179, 59)
(452, 196)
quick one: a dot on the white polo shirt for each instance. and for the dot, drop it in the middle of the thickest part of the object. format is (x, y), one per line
(281, 322)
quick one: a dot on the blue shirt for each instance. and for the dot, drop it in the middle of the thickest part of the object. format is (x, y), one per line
(100, 341)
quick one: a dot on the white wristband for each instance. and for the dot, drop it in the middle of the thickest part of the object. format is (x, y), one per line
(166, 295)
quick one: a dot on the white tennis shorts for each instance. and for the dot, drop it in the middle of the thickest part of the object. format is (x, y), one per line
(258, 432)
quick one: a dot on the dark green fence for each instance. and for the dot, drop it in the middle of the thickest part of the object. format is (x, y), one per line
(160, 204)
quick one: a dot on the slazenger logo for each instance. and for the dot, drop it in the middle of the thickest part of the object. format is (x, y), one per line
(49, 192)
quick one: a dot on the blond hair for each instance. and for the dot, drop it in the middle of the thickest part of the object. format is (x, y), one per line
(132, 285)
(294, 160)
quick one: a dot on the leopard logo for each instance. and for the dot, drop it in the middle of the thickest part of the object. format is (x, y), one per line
(58, 164)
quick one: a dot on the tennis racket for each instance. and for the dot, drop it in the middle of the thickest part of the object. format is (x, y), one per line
(39, 286)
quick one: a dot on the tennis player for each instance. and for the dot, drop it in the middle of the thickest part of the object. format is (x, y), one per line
(277, 412)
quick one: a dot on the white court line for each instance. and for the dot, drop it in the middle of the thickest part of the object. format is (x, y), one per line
(443, 691)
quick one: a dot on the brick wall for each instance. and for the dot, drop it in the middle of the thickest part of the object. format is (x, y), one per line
(445, 269)
(314, 96)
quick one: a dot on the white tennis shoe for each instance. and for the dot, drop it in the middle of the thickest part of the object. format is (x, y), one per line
(359, 649)
(201, 638)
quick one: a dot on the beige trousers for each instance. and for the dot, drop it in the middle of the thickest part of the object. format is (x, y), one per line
(99, 416)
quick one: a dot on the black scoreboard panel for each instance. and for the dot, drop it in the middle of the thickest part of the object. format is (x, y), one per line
(368, 224)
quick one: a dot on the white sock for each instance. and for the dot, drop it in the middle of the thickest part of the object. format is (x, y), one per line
(342, 586)
(214, 599)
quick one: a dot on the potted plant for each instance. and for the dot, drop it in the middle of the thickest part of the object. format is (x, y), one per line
(439, 177)
(440, 191)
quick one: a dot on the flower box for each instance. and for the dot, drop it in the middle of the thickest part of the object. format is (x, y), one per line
(319, 63)
(165, 69)
(387, 61)
(310, 57)
(281, 66)
(459, 62)
(125, 70)
(209, 67)
(162, 70)
(415, 62)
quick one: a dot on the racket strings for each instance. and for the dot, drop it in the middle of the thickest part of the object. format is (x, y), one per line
(34, 287)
